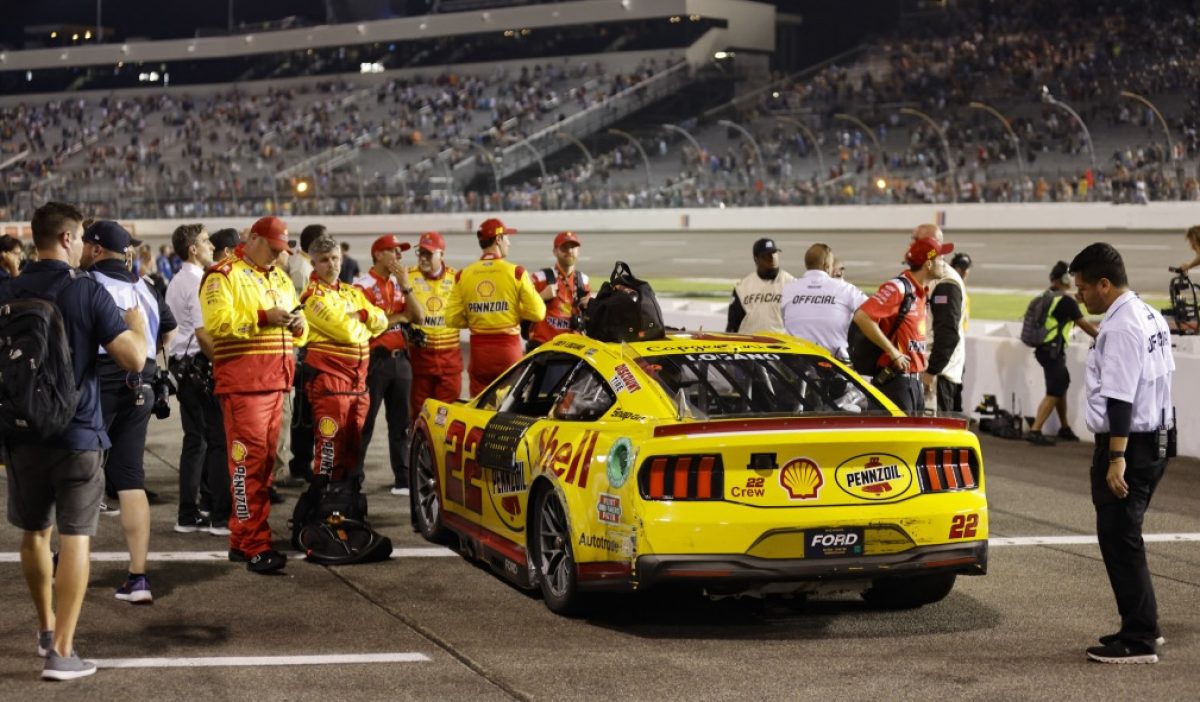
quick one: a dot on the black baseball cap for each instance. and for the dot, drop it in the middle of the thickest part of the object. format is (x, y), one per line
(765, 246)
(961, 261)
(111, 236)
(225, 238)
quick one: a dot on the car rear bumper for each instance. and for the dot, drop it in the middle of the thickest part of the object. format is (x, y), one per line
(969, 558)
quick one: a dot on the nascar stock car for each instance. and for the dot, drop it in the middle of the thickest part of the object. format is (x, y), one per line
(743, 464)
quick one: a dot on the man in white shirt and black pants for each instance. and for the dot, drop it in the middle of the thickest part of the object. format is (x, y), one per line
(817, 307)
(1129, 372)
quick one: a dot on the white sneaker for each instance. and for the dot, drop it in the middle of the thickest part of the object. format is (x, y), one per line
(218, 530)
(400, 492)
(66, 667)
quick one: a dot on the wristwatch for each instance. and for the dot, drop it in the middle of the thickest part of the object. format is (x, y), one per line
(1115, 455)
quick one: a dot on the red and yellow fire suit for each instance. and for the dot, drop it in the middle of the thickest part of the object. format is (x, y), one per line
(437, 366)
(254, 367)
(490, 298)
(341, 324)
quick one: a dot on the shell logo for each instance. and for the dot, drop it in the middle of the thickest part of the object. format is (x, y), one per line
(802, 479)
(433, 304)
(238, 452)
(486, 288)
(327, 427)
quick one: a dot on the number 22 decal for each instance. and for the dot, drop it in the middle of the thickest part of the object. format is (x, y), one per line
(463, 490)
(963, 526)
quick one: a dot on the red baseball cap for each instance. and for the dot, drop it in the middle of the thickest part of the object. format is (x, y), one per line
(389, 241)
(432, 241)
(274, 231)
(564, 238)
(922, 250)
(492, 228)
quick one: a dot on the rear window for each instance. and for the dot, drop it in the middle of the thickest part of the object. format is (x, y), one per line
(756, 384)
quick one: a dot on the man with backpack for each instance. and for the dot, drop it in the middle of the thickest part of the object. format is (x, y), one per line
(1047, 328)
(899, 306)
(564, 289)
(52, 421)
(126, 399)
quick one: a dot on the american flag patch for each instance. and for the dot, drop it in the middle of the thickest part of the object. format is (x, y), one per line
(940, 299)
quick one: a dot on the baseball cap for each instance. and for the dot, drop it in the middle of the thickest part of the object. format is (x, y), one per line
(273, 230)
(922, 250)
(564, 238)
(492, 228)
(389, 241)
(110, 235)
(961, 260)
(765, 246)
(432, 241)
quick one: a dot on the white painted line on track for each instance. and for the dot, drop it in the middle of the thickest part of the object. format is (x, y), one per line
(699, 260)
(1142, 247)
(1079, 539)
(1013, 266)
(663, 242)
(223, 556)
(244, 661)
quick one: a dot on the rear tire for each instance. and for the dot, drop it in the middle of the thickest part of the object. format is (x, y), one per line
(426, 499)
(909, 592)
(553, 556)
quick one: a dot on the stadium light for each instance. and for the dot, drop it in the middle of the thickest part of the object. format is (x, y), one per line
(812, 138)
(1007, 127)
(870, 135)
(1048, 98)
(881, 184)
(1166, 130)
(952, 172)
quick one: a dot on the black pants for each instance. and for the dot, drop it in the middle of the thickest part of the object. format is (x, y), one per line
(389, 380)
(302, 426)
(906, 392)
(949, 395)
(202, 460)
(126, 413)
(1119, 529)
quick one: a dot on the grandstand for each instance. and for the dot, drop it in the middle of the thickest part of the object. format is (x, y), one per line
(491, 106)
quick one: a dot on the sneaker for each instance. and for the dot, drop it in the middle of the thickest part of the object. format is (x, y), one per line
(45, 642)
(266, 562)
(237, 555)
(219, 529)
(400, 491)
(1120, 652)
(1037, 438)
(190, 526)
(1065, 434)
(1113, 638)
(135, 590)
(112, 509)
(66, 667)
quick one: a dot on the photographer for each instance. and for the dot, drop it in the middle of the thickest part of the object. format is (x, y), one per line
(127, 399)
(563, 288)
(202, 459)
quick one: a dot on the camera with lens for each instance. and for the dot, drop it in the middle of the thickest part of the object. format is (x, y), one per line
(163, 388)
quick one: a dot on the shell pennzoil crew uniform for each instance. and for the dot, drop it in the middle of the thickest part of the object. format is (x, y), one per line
(254, 367)
(490, 298)
(437, 365)
(341, 324)
(562, 308)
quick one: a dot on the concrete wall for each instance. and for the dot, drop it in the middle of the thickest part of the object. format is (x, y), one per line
(1162, 216)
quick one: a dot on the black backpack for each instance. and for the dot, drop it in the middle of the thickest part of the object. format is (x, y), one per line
(329, 525)
(625, 309)
(1033, 325)
(864, 354)
(38, 391)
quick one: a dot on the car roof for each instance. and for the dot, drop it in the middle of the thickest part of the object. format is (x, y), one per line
(721, 343)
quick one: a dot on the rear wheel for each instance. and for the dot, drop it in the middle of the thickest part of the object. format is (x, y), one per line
(909, 592)
(426, 502)
(553, 556)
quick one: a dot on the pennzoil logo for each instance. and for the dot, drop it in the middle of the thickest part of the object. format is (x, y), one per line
(327, 427)
(874, 476)
(802, 479)
(238, 452)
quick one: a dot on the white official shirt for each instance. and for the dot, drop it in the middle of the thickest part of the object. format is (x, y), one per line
(819, 309)
(183, 297)
(1130, 361)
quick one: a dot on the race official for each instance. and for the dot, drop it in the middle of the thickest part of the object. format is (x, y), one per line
(389, 379)
(490, 298)
(250, 309)
(126, 399)
(563, 288)
(1128, 387)
(342, 323)
(817, 307)
(755, 304)
(948, 343)
(904, 344)
(202, 460)
(437, 363)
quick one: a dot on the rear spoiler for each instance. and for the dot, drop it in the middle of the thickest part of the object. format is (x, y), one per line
(817, 423)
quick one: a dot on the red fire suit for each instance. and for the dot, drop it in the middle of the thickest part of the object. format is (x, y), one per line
(254, 367)
(342, 323)
(437, 366)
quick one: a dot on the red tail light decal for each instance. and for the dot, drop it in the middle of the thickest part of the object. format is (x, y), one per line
(964, 465)
(931, 471)
(704, 486)
(685, 477)
(948, 468)
(658, 474)
(680, 486)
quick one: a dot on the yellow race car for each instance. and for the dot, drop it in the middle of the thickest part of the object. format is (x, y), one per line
(742, 464)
